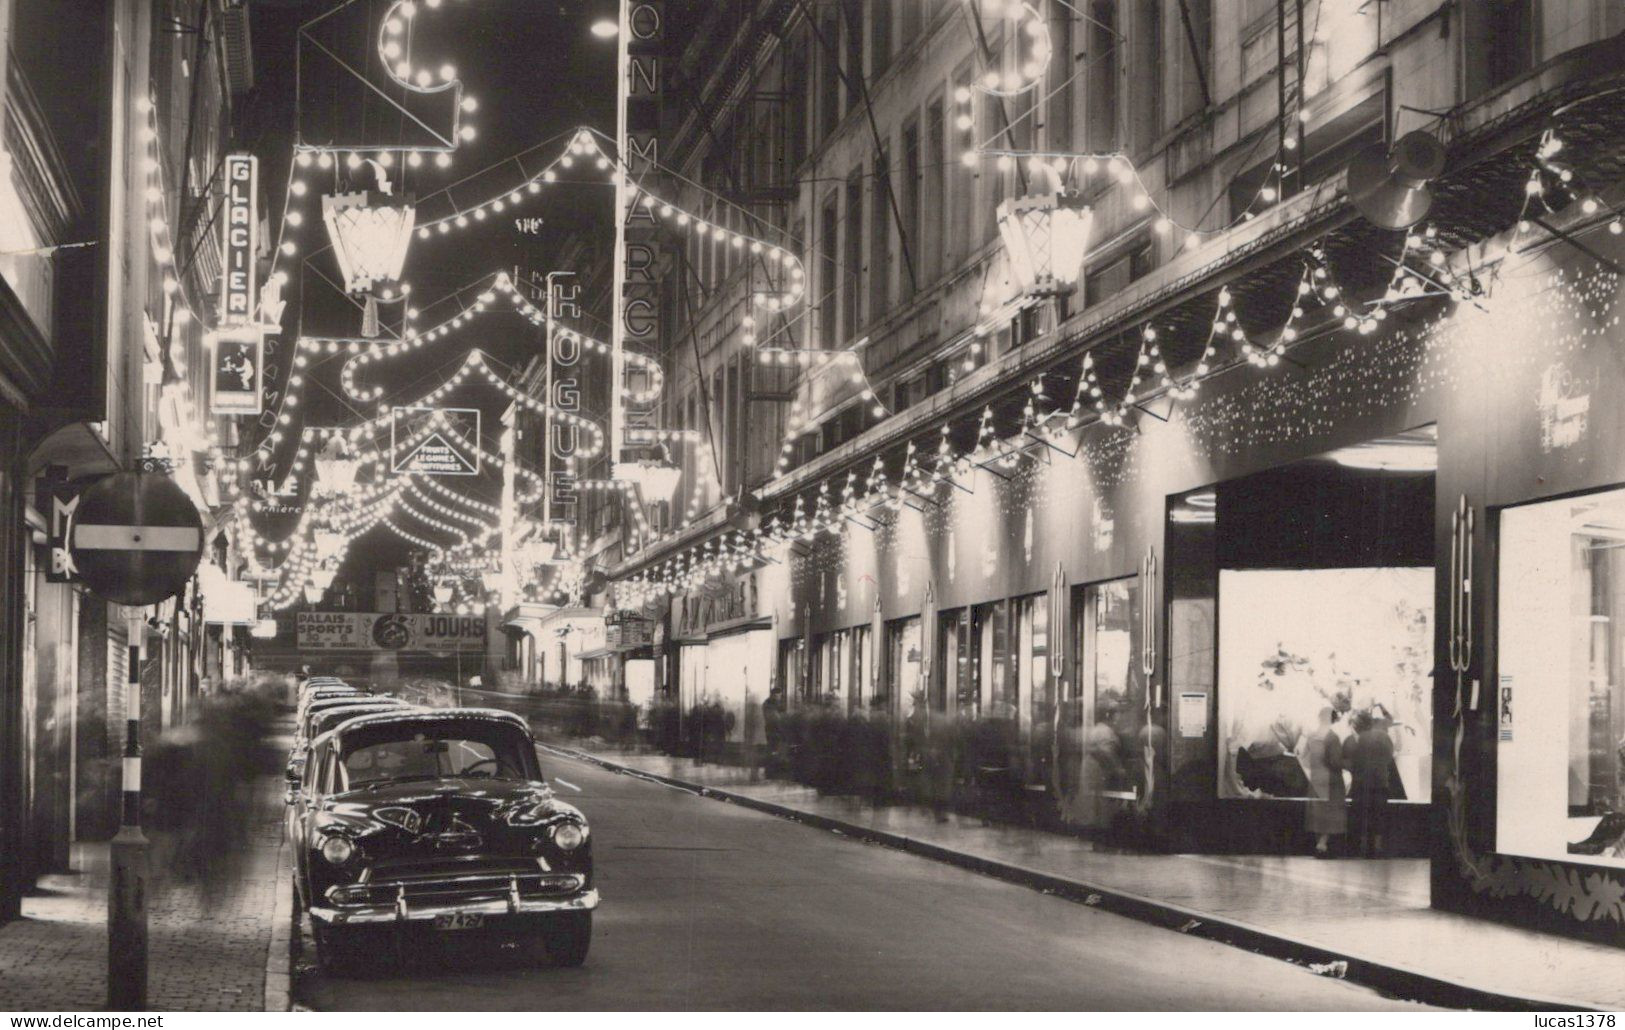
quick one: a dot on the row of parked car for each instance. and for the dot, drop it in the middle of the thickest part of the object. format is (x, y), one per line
(410, 822)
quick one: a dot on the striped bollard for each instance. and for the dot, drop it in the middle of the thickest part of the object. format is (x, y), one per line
(127, 893)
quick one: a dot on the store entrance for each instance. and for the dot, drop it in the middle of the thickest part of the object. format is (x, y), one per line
(1300, 654)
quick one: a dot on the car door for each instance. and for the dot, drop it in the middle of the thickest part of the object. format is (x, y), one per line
(302, 808)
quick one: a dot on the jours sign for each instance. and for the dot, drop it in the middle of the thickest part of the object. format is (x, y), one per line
(390, 631)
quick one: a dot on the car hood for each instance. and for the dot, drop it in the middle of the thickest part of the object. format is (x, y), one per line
(441, 806)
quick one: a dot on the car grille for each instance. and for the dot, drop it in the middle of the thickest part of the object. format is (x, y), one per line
(442, 882)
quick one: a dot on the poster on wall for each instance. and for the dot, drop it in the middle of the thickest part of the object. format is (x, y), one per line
(1304, 652)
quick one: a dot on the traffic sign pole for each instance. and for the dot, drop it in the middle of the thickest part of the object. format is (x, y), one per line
(127, 895)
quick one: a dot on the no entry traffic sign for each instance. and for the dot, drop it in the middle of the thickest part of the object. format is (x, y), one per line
(136, 538)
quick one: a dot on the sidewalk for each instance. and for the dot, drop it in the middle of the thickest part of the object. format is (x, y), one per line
(207, 945)
(1371, 915)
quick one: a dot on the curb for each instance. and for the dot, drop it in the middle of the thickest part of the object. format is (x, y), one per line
(279, 956)
(1395, 981)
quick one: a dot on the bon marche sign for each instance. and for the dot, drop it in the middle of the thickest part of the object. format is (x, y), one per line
(390, 631)
(240, 226)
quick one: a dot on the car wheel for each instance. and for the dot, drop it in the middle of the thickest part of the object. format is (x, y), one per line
(568, 937)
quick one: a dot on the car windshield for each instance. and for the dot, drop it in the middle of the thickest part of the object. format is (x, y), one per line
(434, 755)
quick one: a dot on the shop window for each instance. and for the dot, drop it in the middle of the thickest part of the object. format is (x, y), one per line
(1325, 620)
(1559, 704)
(859, 661)
(791, 654)
(1109, 709)
(1031, 641)
(904, 660)
(955, 680)
(996, 696)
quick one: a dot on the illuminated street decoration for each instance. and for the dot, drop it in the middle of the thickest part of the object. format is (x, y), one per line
(370, 231)
(1046, 236)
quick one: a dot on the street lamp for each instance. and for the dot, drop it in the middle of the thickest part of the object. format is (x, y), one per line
(1047, 237)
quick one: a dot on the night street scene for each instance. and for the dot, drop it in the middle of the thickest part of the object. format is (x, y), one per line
(803, 506)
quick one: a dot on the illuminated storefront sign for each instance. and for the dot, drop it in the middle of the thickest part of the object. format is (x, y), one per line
(564, 353)
(236, 374)
(240, 229)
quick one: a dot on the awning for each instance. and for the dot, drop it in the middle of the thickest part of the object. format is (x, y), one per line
(77, 447)
(601, 652)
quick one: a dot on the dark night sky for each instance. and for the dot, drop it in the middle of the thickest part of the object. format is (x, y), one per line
(537, 72)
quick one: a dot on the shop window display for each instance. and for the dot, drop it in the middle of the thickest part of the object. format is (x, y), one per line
(903, 664)
(1295, 643)
(1559, 700)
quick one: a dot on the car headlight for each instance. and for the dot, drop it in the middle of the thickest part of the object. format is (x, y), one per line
(569, 836)
(338, 850)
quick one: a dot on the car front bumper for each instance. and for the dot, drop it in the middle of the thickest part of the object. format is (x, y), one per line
(407, 912)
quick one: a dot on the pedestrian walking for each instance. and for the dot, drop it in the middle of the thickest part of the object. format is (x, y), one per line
(1369, 757)
(1327, 814)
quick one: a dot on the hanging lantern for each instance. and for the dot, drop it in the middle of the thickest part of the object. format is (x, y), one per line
(656, 480)
(335, 468)
(323, 578)
(328, 543)
(313, 594)
(371, 231)
(443, 592)
(1047, 237)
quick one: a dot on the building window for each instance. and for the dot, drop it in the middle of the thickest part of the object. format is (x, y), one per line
(1190, 53)
(961, 205)
(829, 79)
(1104, 59)
(880, 221)
(1559, 702)
(1499, 36)
(852, 274)
(1058, 115)
(1103, 281)
(854, 53)
(910, 201)
(879, 37)
(927, 247)
(828, 273)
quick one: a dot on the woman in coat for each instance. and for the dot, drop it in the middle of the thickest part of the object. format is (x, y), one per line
(1327, 814)
(1369, 757)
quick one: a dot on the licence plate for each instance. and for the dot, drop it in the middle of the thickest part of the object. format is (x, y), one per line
(459, 921)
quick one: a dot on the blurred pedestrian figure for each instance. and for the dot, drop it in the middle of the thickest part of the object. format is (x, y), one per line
(1327, 814)
(1369, 757)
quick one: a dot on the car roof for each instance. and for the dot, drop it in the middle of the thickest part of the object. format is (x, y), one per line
(329, 703)
(351, 712)
(425, 715)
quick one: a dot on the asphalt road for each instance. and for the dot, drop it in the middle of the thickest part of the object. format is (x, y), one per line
(710, 906)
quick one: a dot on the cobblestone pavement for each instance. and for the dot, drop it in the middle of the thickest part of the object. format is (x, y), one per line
(207, 942)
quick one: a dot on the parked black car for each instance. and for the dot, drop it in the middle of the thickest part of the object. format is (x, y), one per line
(437, 823)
